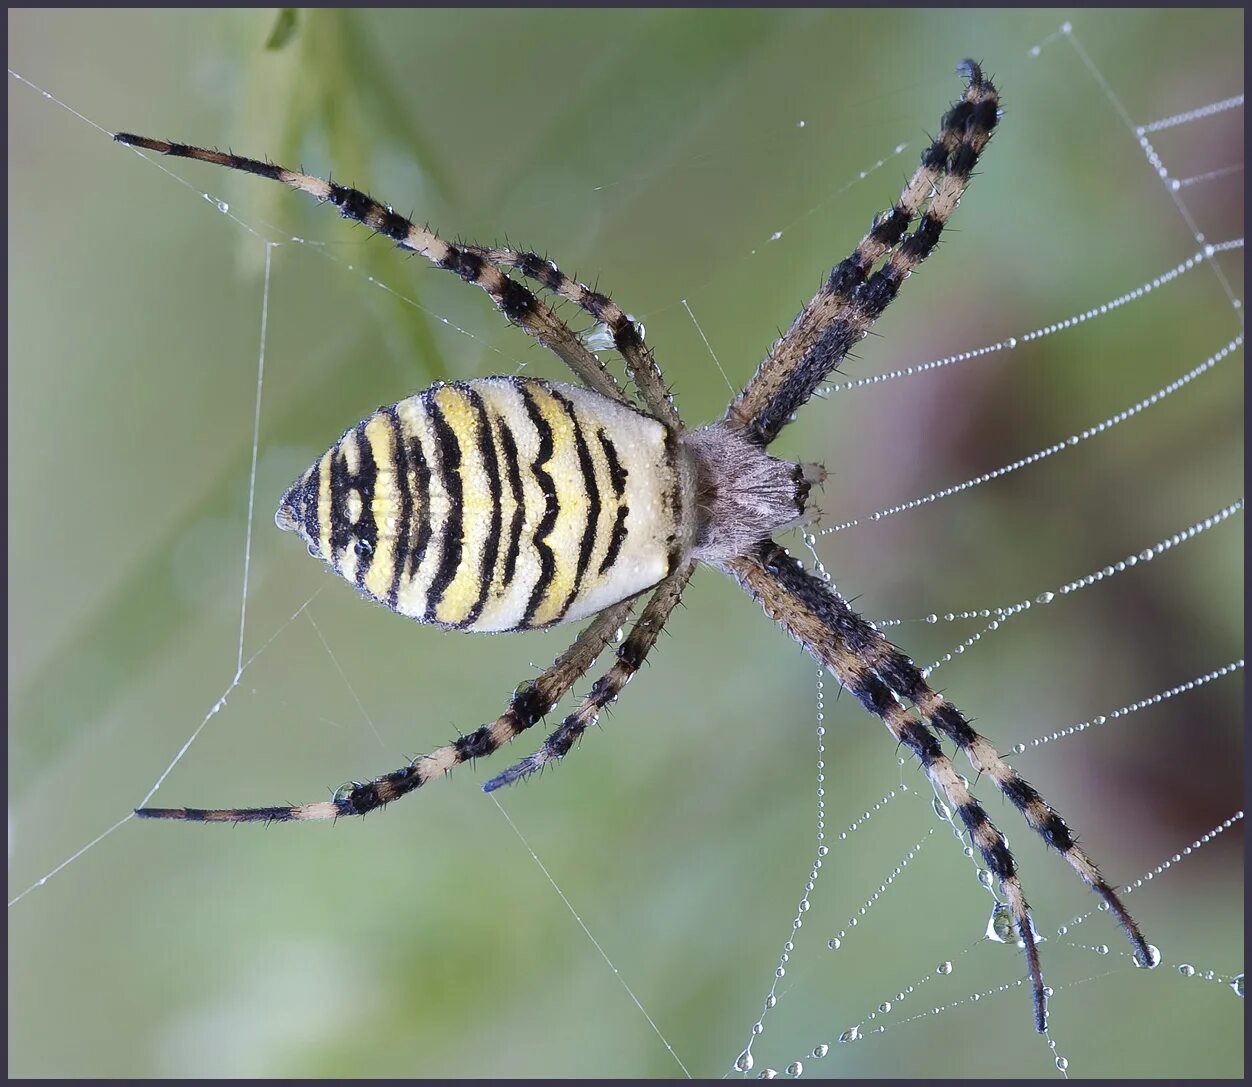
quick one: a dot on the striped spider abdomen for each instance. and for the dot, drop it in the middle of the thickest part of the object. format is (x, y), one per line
(499, 504)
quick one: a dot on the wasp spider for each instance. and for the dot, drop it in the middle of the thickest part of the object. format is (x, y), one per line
(505, 504)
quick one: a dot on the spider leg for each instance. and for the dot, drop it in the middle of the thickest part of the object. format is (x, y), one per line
(905, 678)
(528, 705)
(831, 632)
(514, 300)
(630, 657)
(841, 312)
(627, 334)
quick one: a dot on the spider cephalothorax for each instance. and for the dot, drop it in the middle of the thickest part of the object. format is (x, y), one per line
(512, 504)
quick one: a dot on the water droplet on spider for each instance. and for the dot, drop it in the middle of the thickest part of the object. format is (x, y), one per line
(1236, 985)
(852, 1034)
(821, 1050)
(795, 1068)
(598, 337)
(743, 1063)
(1187, 970)
(1000, 927)
(1153, 962)
(984, 877)
(944, 967)
(941, 810)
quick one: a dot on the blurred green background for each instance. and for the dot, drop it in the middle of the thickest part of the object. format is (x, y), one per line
(658, 151)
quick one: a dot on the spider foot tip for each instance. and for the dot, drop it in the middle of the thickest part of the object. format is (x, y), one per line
(971, 70)
(160, 813)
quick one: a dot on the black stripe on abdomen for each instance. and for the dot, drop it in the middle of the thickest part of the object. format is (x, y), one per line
(489, 453)
(592, 491)
(400, 553)
(547, 560)
(512, 469)
(453, 529)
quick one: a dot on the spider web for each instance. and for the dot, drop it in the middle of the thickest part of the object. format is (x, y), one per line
(197, 359)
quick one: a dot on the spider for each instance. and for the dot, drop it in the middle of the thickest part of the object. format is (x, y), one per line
(503, 504)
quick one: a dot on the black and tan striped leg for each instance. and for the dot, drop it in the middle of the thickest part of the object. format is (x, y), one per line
(840, 314)
(530, 702)
(515, 301)
(823, 623)
(904, 677)
(630, 657)
(627, 334)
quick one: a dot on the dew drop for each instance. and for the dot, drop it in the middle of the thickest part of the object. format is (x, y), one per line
(598, 338)
(1101, 949)
(795, 1068)
(1000, 927)
(1045, 598)
(1236, 985)
(1153, 962)
(941, 810)
(885, 1006)
(834, 943)
(743, 1063)
(1187, 970)
(944, 968)
(1061, 1064)
(766, 1073)
(821, 1050)
(852, 1034)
